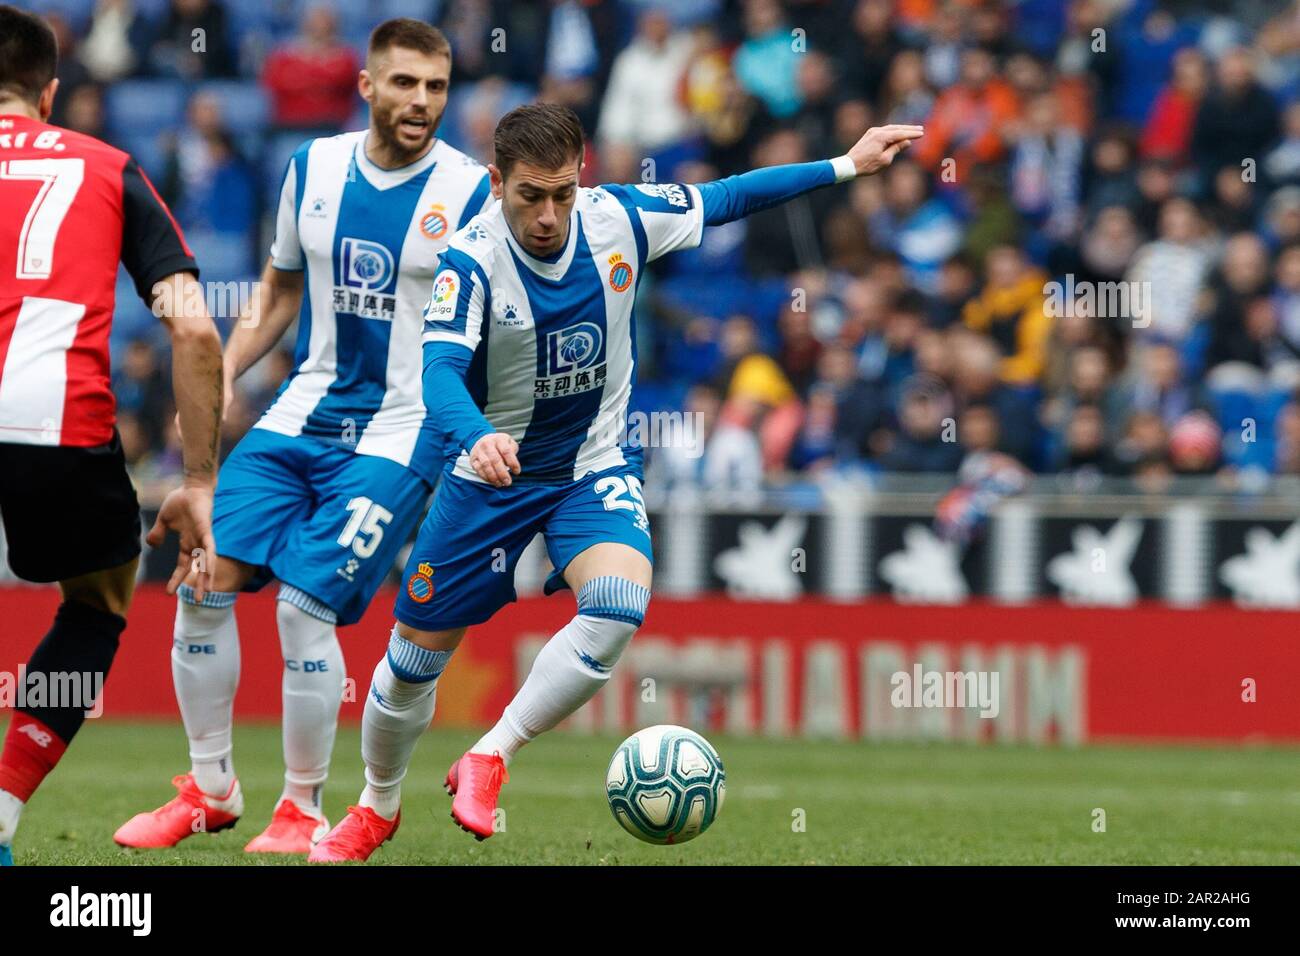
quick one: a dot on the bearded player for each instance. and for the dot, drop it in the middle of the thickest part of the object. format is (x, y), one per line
(71, 208)
(328, 485)
(529, 360)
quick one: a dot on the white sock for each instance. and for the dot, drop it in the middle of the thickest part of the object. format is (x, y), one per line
(205, 672)
(11, 808)
(398, 710)
(312, 690)
(573, 665)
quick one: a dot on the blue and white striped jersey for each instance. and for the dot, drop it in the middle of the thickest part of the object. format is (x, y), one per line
(553, 343)
(369, 240)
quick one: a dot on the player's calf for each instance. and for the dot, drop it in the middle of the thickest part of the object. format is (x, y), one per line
(399, 707)
(567, 673)
(573, 665)
(82, 641)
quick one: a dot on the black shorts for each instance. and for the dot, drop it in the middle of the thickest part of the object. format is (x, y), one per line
(67, 511)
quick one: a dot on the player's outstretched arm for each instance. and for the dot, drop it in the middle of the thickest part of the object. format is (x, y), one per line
(735, 197)
(197, 385)
(263, 322)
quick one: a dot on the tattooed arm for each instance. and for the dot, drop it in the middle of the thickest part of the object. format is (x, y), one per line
(197, 385)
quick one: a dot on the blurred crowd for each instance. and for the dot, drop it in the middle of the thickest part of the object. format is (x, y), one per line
(958, 302)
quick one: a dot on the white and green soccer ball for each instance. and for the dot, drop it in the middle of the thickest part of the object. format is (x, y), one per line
(665, 784)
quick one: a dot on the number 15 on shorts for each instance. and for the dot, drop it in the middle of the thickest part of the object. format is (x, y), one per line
(365, 528)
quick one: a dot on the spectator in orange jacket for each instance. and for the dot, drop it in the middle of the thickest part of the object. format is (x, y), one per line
(969, 119)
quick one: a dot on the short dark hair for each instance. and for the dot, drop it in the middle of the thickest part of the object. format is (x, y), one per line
(410, 35)
(29, 53)
(543, 134)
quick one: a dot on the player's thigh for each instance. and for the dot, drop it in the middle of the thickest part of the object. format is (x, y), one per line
(228, 575)
(340, 554)
(461, 570)
(68, 512)
(600, 529)
(264, 489)
(609, 559)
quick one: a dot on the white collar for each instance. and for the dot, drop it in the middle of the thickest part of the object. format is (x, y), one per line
(382, 178)
(548, 270)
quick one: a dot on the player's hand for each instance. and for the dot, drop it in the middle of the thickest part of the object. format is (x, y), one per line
(880, 144)
(494, 458)
(187, 510)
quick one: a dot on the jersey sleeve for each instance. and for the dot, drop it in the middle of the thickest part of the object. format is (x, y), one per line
(457, 303)
(286, 250)
(153, 246)
(670, 214)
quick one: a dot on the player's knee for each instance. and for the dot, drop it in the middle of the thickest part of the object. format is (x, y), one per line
(610, 609)
(308, 639)
(108, 591)
(407, 673)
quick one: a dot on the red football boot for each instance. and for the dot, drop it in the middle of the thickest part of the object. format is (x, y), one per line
(474, 782)
(190, 811)
(291, 831)
(360, 834)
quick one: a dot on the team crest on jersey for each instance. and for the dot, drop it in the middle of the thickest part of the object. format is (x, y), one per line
(366, 272)
(442, 304)
(419, 586)
(433, 225)
(572, 362)
(620, 273)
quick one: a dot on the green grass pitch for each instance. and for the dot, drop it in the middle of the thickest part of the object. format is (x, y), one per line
(860, 803)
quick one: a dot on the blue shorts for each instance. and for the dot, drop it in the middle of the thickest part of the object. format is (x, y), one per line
(462, 568)
(325, 520)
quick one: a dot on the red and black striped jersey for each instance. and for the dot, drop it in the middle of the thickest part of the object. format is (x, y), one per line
(71, 208)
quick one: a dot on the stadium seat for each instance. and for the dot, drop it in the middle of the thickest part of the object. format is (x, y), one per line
(416, 9)
(275, 159)
(244, 105)
(78, 13)
(131, 317)
(133, 107)
(147, 148)
(222, 257)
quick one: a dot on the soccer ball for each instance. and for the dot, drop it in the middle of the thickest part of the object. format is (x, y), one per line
(665, 784)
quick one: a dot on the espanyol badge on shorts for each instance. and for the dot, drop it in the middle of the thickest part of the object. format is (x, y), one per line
(419, 587)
